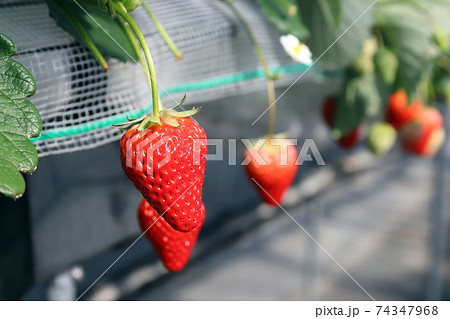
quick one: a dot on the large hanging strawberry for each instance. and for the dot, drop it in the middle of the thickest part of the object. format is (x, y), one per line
(166, 163)
(173, 247)
(164, 153)
(350, 139)
(272, 168)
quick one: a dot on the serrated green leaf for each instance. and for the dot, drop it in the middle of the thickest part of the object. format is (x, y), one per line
(12, 183)
(119, 48)
(281, 16)
(7, 47)
(19, 121)
(319, 16)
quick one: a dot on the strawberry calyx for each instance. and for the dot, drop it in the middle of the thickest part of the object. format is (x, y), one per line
(168, 116)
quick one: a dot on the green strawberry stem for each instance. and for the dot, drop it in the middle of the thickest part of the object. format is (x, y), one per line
(269, 76)
(81, 32)
(120, 10)
(178, 55)
(272, 110)
(134, 43)
(378, 37)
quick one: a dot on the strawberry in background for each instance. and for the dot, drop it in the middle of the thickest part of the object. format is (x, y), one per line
(425, 135)
(272, 168)
(399, 113)
(347, 141)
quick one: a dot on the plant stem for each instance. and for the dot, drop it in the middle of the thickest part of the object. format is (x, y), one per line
(272, 110)
(120, 10)
(378, 36)
(134, 43)
(178, 55)
(269, 76)
(250, 34)
(82, 33)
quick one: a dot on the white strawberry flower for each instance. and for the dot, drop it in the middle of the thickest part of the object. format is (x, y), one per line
(296, 49)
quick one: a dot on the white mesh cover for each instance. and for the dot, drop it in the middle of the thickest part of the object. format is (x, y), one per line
(78, 101)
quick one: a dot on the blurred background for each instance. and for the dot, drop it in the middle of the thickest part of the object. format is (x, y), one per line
(360, 227)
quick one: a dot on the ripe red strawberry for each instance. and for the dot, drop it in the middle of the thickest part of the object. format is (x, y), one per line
(167, 165)
(425, 135)
(173, 247)
(348, 140)
(271, 168)
(399, 113)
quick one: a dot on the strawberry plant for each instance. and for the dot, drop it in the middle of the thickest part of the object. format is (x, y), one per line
(384, 47)
(393, 55)
(164, 155)
(19, 121)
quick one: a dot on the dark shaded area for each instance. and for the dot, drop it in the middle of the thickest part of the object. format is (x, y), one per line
(15, 248)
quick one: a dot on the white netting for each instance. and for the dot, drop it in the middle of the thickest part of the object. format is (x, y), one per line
(78, 100)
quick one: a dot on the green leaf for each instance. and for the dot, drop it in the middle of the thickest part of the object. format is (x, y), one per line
(335, 8)
(119, 48)
(406, 30)
(19, 121)
(320, 17)
(284, 15)
(436, 10)
(440, 79)
(358, 101)
(443, 89)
